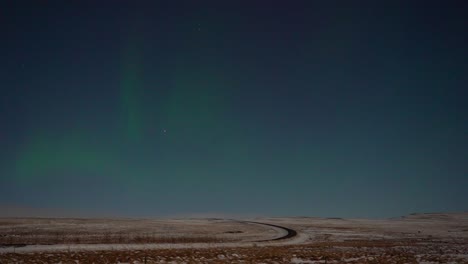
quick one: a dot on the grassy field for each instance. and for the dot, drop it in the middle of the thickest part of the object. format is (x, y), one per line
(58, 237)
(417, 238)
(332, 252)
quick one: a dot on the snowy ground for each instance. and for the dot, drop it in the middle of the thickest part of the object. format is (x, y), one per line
(421, 238)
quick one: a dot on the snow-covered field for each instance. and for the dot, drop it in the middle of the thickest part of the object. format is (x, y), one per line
(419, 238)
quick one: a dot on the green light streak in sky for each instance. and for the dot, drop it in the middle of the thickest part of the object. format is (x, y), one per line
(129, 89)
(49, 157)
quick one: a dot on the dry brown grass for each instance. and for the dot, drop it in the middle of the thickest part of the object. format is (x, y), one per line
(330, 252)
(58, 237)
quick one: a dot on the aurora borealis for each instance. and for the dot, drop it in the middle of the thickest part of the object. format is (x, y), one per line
(306, 108)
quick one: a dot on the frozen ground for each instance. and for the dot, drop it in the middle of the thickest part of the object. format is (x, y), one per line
(419, 238)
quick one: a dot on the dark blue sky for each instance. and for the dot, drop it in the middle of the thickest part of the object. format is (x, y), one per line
(320, 108)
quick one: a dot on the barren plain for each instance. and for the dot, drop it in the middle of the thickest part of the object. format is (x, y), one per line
(417, 238)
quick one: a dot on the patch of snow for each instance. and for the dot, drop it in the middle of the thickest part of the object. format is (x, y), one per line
(352, 259)
(296, 260)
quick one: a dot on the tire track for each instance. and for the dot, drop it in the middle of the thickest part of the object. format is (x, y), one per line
(290, 233)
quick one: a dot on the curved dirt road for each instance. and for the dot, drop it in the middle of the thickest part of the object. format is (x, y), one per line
(290, 233)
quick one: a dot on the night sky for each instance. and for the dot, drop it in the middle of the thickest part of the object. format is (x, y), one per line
(281, 108)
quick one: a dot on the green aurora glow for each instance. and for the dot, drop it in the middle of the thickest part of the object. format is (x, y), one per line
(129, 89)
(281, 109)
(46, 156)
